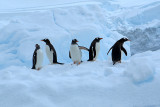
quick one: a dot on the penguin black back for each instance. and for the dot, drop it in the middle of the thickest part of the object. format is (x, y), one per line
(116, 50)
(92, 49)
(34, 59)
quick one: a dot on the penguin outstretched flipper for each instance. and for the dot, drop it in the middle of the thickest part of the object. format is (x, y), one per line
(84, 48)
(124, 50)
(109, 50)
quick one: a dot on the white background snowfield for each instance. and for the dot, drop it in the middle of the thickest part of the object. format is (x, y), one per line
(133, 83)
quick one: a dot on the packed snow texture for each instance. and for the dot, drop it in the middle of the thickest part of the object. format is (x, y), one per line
(90, 84)
(132, 83)
(140, 68)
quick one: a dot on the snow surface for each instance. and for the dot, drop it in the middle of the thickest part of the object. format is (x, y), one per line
(133, 83)
(91, 84)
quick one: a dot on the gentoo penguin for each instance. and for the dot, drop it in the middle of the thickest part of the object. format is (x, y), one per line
(51, 52)
(94, 49)
(116, 50)
(37, 58)
(75, 52)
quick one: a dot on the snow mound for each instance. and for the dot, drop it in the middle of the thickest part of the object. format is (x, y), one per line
(90, 84)
(140, 69)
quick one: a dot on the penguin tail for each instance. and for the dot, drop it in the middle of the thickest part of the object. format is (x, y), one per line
(60, 63)
(33, 68)
(89, 60)
(114, 63)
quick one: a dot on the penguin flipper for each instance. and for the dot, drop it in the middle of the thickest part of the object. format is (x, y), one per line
(34, 59)
(69, 54)
(124, 50)
(94, 51)
(109, 50)
(82, 47)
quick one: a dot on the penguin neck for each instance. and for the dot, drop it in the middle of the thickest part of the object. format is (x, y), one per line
(48, 43)
(37, 48)
(74, 44)
(120, 43)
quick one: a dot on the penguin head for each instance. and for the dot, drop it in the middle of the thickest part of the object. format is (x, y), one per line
(122, 40)
(74, 41)
(98, 39)
(46, 41)
(37, 46)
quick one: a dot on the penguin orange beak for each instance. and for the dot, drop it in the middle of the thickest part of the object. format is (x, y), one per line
(100, 38)
(42, 40)
(128, 40)
(77, 41)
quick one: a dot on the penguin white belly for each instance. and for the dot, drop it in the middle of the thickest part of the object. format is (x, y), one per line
(49, 54)
(75, 53)
(39, 59)
(97, 49)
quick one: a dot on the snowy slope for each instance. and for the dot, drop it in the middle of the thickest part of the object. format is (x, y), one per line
(91, 84)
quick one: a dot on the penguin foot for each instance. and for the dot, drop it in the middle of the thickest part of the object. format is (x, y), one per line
(38, 69)
(119, 61)
(79, 63)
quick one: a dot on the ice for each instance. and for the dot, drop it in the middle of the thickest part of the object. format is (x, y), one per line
(141, 68)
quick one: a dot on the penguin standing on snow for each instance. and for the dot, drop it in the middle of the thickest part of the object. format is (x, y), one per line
(51, 52)
(37, 58)
(75, 52)
(116, 50)
(94, 49)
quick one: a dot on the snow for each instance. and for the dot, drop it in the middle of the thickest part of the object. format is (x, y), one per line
(140, 68)
(132, 83)
(88, 84)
